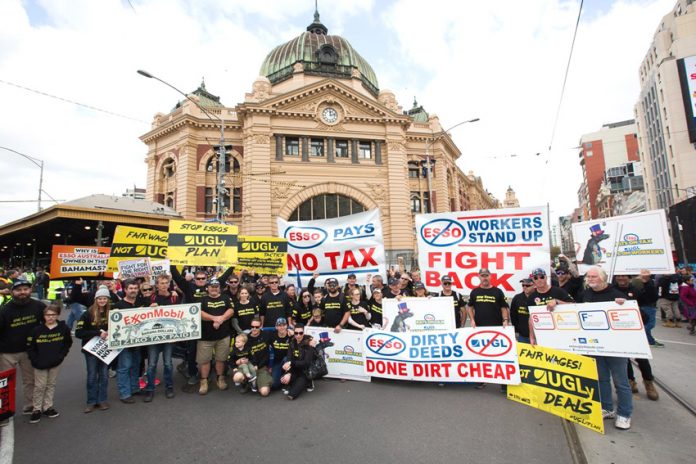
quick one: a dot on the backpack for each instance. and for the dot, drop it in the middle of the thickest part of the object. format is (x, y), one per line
(317, 368)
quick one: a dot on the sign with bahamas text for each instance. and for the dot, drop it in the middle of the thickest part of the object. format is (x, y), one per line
(71, 261)
(418, 314)
(485, 354)
(135, 242)
(509, 242)
(154, 324)
(560, 383)
(623, 245)
(99, 347)
(202, 244)
(265, 255)
(334, 247)
(598, 329)
(343, 352)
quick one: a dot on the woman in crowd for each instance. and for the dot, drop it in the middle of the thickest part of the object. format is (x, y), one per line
(245, 310)
(300, 354)
(359, 314)
(302, 312)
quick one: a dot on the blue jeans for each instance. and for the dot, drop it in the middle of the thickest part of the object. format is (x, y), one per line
(522, 339)
(609, 368)
(651, 312)
(76, 310)
(128, 372)
(40, 292)
(153, 352)
(277, 373)
(97, 380)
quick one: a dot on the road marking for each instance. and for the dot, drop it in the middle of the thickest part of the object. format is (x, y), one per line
(7, 442)
(678, 343)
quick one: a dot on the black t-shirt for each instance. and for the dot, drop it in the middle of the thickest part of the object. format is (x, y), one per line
(519, 314)
(668, 287)
(16, 324)
(357, 316)
(215, 307)
(245, 313)
(258, 349)
(554, 293)
(487, 304)
(457, 304)
(375, 311)
(573, 287)
(608, 294)
(279, 346)
(333, 308)
(302, 313)
(273, 307)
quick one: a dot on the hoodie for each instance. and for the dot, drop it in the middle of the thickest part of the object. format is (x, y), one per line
(48, 348)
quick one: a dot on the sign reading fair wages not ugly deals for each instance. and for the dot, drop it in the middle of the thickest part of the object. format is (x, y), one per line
(509, 242)
(135, 242)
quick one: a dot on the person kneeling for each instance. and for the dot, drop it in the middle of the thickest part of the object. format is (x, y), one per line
(300, 354)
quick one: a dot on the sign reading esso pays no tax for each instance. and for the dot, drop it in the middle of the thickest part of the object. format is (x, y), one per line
(334, 247)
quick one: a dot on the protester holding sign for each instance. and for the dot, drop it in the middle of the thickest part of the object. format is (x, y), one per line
(359, 313)
(275, 304)
(519, 310)
(128, 372)
(487, 305)
(458, 303)
(94, 323)
(333, 306)
(245, 311)
(216, 310)
(303, 310)
(375, 305)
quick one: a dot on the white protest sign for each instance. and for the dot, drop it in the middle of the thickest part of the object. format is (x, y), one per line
(623, 245)
(343, 352)
(154, 324)
(418, 314)
(134, 268)
(100, 348)
(600, 329)
(485, 354)
(509, 242)
(334, 247)
(159, 267)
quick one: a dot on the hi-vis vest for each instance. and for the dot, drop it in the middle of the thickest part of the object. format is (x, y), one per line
(55, 288)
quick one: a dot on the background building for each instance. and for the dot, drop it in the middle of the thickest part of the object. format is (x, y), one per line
(511, 200)
(315, 138)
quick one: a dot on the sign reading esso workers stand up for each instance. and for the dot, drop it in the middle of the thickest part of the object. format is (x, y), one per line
(509, 242)
(334, 247)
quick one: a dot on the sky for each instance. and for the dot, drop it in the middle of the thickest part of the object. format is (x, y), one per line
(502, 62)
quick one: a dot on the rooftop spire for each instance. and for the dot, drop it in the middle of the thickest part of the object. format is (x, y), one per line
(317, 27)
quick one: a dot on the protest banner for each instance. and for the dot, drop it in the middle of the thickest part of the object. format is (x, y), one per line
(135, 242)
(560, 383)
(418, 314)
(343, 352)
(486, 354)
(202, 244)
(159, 267)
(134, 268)
(265, 255)
(8, 380)
(334, 247)
(99, 347)
(153, 325)
(623, 245)
(79, 261)
(509, 242)
(600, 329)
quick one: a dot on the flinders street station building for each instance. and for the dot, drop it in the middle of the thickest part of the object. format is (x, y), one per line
(315, 138)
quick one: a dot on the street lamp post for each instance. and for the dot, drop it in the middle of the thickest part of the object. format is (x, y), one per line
(220, 210)
(429, 164)
(37, 162)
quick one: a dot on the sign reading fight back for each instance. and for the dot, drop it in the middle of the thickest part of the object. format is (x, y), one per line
(334, 247)
(509, 242)
(486, 354)
(560, 383)
(79, 261)
(134, 243)
(265, 255)
(202, 244)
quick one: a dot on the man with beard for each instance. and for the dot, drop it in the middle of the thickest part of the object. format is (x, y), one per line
(128, 372)
(18, 317)
(334, 307)
(275, 304)
(216, 331)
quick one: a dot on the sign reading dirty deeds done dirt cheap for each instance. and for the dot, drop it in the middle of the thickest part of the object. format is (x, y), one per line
(509, 242)
(343, 352)
(202, 244)
(600, 329)
(625, 244)
(486, 354)
(153, 325)
(135, 242)
(265, 255)
(334, 247)
(560, 383)
(418, 314)
(79, 261)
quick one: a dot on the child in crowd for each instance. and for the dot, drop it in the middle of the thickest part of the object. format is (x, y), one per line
(240, 358)
(48, 345)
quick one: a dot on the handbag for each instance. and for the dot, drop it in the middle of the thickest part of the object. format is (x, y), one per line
(317, 368)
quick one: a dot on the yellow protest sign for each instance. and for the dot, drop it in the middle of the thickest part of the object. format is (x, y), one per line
(265, 255)
(136, 242)
(202, 244)
(561, 383)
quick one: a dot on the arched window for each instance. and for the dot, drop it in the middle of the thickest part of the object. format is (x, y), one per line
(212, 165)
(168, 168)
(326, 206)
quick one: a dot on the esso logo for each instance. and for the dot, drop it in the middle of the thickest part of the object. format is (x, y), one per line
(489, 343)
(305, 238)
(442, 232)
(429, 317)
(385, 345)
(631, 237)
(349, 349)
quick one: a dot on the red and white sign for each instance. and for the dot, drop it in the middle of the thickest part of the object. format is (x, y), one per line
(509, 242)
(7, 393)
(334, 247)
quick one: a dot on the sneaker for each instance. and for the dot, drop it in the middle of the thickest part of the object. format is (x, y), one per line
(254, 387)
(169, 394)
(623, 423)
(149, 397)
(203, 388)
(310, 387)
(658, 344)
(28, 410)
(608, 414)
(221, 383)
(51, 413)
(35, 417)
(285, 391)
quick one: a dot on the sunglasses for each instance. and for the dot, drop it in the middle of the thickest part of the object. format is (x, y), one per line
(561, 272)
(201, 278)
(306, 296)
(299, 333)
(446, 283)
(255, 326)
(527, 285)
(539, 277)
(233, 282)
(146, 289)
(484, 275)
(273, 283)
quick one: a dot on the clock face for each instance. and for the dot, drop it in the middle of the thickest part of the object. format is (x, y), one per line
(329, 115)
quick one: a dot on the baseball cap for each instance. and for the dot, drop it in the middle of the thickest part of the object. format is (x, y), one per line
(419, 285)
(377, 290)
(446, 279)
(331, 281)
(538, 272)
(213, 283)
(20, 283)
(281, 321)
(260, 284)
(526, 281)
(484, 270)
(352, 276)
(393, 281)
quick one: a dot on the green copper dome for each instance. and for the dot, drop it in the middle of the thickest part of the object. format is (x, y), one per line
(320, 54)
